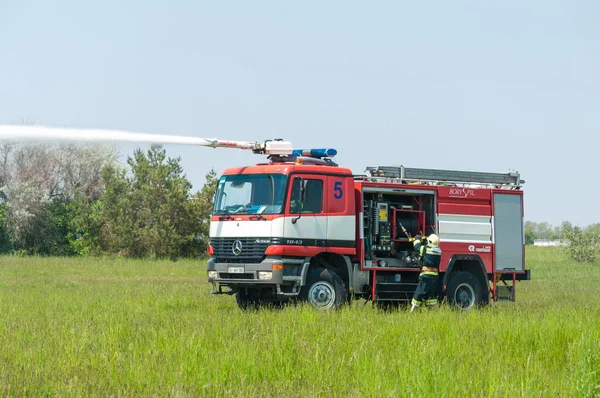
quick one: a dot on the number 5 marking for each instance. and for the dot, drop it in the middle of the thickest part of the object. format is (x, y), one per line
(337, 190)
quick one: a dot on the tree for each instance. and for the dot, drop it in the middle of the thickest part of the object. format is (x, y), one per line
(543, 230)
(205, 199)
(148, 213)
(593, 228)
(28, 222)
(530, 232)
(5, 151)
(25, 174)
(202, 205)
(566, 227)
(5, 241)
(79, 170)
(39, 182)
(583, 244)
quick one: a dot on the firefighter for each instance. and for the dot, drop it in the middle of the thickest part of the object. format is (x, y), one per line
(430, 255)
(296, 205)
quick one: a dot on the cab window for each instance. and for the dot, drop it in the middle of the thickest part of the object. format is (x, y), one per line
(314, 197)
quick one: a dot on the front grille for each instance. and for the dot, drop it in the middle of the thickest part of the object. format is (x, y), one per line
(252, 250)
(225, 275)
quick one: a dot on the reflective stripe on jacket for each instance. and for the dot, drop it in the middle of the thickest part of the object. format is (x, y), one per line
(430, 255)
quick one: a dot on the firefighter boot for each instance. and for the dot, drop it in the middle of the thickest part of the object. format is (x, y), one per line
(415, 304)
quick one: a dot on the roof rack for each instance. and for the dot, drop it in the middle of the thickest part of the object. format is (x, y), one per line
(434, 176)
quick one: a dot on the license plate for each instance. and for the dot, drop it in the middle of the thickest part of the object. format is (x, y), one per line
(235, 270)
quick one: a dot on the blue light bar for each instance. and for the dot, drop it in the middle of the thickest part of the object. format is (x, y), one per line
(315, 153)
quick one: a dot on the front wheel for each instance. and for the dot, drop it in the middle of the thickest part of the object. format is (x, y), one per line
(464, 291)
(324, 289)
(249, 299)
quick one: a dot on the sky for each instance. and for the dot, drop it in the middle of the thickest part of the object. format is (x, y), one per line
(466, 85)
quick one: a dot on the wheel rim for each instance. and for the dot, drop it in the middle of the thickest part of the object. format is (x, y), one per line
(322, 295)
(464, 296)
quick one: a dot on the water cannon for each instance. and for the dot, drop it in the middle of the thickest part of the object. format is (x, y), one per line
(276, 149)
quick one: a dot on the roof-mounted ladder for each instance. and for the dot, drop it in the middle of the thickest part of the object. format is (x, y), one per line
(407, 174)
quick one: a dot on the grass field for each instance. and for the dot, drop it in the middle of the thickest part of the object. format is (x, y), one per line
(89, 327)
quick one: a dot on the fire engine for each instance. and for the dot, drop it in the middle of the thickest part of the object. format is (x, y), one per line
(299, 227)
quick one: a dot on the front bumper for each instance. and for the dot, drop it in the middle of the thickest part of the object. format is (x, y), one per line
(286, 273)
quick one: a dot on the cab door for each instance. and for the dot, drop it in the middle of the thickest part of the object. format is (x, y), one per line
(341, 219)
(305, 223)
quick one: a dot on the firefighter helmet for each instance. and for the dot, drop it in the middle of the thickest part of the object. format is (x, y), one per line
(433, 240)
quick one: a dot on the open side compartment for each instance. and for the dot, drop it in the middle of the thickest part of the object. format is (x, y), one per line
(386, 212)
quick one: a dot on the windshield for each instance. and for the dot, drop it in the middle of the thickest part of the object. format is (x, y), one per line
(250, 194)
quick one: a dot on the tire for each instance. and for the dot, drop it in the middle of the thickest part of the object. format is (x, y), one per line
(255, 299)
(247, 299)
(465, 291)
(324, 289)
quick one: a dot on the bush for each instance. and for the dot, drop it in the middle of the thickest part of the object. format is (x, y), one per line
(145, 213)
(584, 244)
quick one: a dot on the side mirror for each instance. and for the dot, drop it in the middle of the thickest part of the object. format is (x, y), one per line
(302, 194)
(303, 189)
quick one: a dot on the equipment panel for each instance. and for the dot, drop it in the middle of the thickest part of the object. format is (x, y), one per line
(390, 220)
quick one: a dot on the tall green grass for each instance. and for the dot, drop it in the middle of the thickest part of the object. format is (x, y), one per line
(89, 327)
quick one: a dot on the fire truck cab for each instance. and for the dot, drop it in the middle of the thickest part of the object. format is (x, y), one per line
(301, 228)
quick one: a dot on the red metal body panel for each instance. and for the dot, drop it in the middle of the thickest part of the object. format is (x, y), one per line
(461, 208)
(307, 251)
(338, 190)
(467, 201)
(483, 250)
(475, 194)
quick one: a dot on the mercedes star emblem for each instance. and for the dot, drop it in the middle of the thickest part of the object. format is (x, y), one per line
(237, 247)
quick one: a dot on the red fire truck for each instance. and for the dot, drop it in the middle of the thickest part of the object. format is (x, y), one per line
(300, 227)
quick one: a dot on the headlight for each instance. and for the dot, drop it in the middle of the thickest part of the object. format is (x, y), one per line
(213, 275)
(265, 275)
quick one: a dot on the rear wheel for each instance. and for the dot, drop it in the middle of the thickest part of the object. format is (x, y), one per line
(324, 289)
(464, 291)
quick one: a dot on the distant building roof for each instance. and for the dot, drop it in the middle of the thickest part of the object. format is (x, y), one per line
(548, 242)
